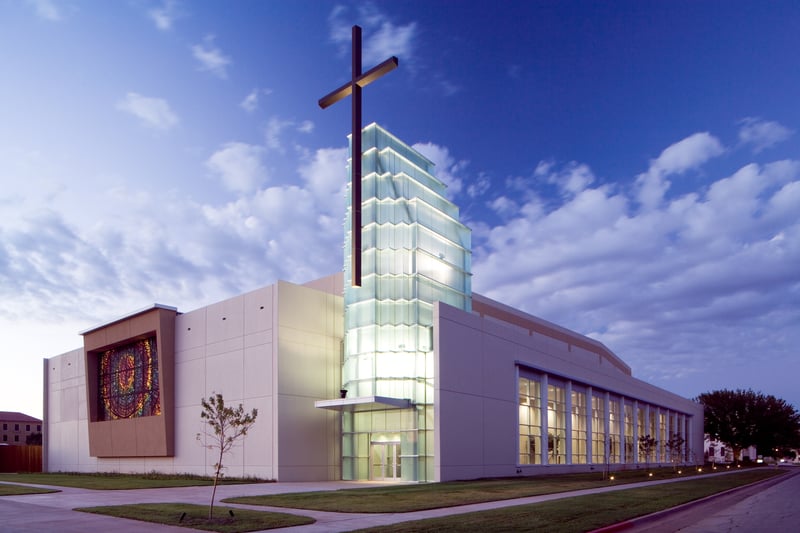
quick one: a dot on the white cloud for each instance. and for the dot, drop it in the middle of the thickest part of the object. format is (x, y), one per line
(504, 206)
(153, 112)
(46, 9)
(762, 134)
(712, 271)
(446, 168)
(164, 15)
(573, 178)
(381, 37)
(678, 158)
(326, 173)
(389, 40)
(211, 58)
(276, 131)
(687, 154)
(239, 166)
(479, 186)
(250, 102)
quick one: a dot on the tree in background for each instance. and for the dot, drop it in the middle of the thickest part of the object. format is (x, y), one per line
(675, 449)
(226, 426)
(742, 418)
(647, 445)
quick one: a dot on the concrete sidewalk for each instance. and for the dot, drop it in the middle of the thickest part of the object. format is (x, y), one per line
(53, 511)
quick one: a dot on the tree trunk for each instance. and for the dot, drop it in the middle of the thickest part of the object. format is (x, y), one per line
(214, 491)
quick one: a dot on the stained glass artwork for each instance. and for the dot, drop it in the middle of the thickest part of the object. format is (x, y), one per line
(129, 381)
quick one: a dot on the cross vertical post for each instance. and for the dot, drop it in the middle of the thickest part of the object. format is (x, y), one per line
(355, 165)
(353, 88)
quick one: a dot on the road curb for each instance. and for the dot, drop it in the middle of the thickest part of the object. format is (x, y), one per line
(654, 517)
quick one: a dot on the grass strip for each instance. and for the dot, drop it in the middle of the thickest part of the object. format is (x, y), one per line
(17, 490)
(582, 513)
(419, 497)
(196, 516)
(115, 481)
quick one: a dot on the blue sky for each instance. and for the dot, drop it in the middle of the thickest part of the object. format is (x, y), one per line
(630, 170)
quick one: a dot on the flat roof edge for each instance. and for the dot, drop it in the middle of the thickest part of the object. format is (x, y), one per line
(129, 315)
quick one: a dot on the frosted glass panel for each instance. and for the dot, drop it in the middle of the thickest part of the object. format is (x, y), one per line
(415, 252)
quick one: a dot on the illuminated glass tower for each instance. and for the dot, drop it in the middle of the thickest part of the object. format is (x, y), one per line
(414, 252)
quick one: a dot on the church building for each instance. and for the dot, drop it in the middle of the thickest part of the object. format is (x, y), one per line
(409, 376)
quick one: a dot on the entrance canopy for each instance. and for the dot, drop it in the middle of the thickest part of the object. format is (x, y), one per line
(364, 403)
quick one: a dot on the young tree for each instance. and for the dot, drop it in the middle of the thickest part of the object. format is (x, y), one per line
(675, 448)
(743, 418)
(226, 426)
(647, 446)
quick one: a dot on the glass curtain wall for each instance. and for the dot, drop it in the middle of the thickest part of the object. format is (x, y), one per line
(641, 428)
(414, 252)
(556, 424)
(629, 448)
(530, 422)
(653, 432)
(578, 427)
(620, 418)
(614, 446)
(598, 429)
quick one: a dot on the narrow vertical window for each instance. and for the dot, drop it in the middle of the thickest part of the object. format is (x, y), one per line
(598, 430)
(530, 421)
(628, 433)
(556, 425)
(578, 427)
(614, 445)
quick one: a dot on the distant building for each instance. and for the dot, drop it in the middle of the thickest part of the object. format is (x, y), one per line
(16, 427)
(719, 453)
(408, 377)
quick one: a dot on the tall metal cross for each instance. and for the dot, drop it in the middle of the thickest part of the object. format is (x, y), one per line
(353, 87)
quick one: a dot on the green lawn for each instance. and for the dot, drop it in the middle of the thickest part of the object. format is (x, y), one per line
(111, 481)
(417, 497)
(582, 513)
(16, 490)
(577, 514)
(196, 516)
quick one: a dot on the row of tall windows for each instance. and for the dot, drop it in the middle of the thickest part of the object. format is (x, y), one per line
(562, 422)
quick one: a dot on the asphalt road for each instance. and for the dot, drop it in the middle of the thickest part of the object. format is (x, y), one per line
(770, 507)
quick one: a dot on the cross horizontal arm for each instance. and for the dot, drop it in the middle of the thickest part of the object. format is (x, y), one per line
(362, 81)
(335, 96)
(376, 72)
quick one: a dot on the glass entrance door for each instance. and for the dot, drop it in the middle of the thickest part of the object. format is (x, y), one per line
(386, 461)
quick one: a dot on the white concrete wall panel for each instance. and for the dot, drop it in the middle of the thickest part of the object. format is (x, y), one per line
(258, 307)
(497, 353)
(225, 375)
(190, 383)
(190, 332)
(485, 402)
(308, 366)
(501, 433)
(231, 348)
(189, 452)
(258, 364)
(225, 320)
